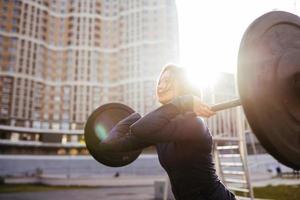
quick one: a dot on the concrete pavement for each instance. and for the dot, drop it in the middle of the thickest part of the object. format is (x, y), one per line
(101, 181)
(128, 181)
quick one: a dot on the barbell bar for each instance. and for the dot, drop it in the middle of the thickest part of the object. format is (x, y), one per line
(268, 83)
(226, 105)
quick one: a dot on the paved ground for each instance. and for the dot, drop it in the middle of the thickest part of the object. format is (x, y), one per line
(129, 186)
(116, 193)
(101, 181)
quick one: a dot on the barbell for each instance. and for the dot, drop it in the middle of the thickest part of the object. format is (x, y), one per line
(268, 77)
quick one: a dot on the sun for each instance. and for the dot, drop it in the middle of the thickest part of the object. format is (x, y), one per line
(201, 77)
(210, 33)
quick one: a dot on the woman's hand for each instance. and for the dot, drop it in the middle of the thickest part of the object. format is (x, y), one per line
(202, 109)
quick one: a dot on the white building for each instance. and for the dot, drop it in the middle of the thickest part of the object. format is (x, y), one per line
(61, 59)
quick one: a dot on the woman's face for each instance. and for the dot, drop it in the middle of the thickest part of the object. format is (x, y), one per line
(166, 88)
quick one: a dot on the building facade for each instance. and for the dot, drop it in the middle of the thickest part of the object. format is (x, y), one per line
(61, 59)
(225, 123)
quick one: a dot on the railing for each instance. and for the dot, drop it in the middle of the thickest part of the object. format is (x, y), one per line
(228, 123)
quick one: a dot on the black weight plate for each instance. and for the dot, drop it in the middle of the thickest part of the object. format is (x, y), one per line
(98, 126)
(268, 80)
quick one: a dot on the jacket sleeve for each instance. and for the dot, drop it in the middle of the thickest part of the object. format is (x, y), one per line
(171, 122)
(119, 140)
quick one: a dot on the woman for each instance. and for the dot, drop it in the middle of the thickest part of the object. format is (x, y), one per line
(183, 142)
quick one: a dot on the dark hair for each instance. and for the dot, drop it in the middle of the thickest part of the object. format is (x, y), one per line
(180, 76)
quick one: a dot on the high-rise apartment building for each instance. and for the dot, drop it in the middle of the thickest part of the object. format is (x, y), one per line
(61, 59)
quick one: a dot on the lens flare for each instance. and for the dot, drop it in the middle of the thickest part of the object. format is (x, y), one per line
(100, 132)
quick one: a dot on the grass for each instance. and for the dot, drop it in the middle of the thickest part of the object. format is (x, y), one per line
(282, 192)
(12, 188)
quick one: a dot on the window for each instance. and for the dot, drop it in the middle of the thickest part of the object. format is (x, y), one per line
(4, 9)
(55, 126)
(2, 27)
(16, 12)
(15, 21)
(14, 41)
(65, 126)
(36, 124)
(12, 50)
